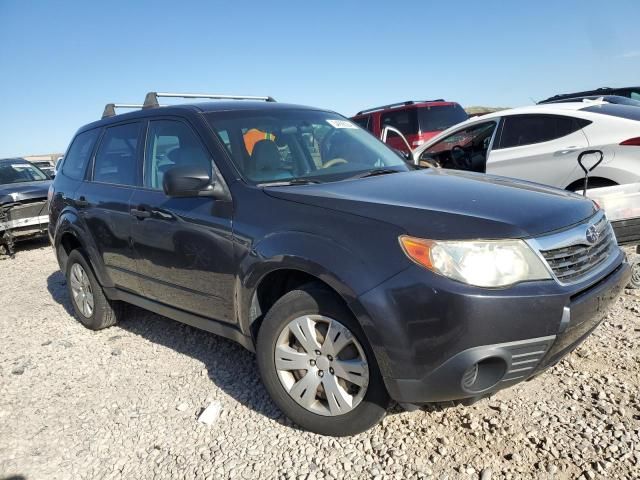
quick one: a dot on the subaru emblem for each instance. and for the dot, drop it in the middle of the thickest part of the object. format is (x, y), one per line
(592, 235)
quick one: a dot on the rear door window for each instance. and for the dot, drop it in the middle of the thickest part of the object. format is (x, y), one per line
(75, 161)
(440, 117)
(404, 120)
(116, 160)
(521, 130)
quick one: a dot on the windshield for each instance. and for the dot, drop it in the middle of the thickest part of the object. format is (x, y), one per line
(283, 145)
(19, 172)
(438, 118)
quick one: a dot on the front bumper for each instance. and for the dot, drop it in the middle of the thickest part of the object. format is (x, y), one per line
(25, 220)
(445, 341)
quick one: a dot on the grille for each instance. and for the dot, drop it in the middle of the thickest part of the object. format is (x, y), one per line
(570, 264)
(28, 210)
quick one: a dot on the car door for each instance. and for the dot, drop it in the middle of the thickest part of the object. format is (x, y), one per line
(184, 245)
(103, 201)
(539, 148)
(463, 149)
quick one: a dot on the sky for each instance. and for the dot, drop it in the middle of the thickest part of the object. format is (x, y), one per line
(62, 61)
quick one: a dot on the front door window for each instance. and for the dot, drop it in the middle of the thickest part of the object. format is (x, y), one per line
(465, 149)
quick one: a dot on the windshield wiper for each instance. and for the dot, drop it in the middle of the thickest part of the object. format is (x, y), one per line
(374, 172)
(285, 183)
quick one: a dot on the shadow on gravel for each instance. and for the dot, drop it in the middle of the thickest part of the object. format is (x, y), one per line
(57, 286)
(228, 365)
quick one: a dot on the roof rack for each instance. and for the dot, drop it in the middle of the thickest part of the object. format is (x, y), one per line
(151, 99)
(110, 108)
(398, 104)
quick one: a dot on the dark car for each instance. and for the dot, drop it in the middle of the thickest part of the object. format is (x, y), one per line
(353, 277)
(417, 120)
(46, 166)
(23, 202)
(615, 99)
(628, 92)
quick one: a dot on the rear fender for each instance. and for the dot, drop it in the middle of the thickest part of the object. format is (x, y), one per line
(70, 223)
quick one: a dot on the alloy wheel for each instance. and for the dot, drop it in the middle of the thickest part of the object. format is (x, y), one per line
(321, 365)
(81, 289)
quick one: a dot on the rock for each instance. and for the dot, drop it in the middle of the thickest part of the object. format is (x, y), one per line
(210, 414)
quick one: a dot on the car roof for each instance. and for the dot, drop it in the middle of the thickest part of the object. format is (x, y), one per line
(199, 107)
(541, 108)
(404, 106)
(595, 91)
(13, 160)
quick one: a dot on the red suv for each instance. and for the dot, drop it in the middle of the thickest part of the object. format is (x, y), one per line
(418, 120)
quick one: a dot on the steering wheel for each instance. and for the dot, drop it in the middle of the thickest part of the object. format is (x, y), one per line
(460, 160)
(334, 161)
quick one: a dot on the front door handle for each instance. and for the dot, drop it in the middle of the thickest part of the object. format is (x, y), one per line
(140, 213)
(82, 202)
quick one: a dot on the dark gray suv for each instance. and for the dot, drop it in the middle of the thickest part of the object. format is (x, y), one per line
(355, 278)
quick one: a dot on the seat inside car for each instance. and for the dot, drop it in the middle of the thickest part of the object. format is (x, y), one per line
(266, 162)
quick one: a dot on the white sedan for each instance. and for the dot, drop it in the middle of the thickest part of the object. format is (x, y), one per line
(541, 143)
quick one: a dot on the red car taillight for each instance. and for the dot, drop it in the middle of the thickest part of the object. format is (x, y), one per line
(632, 141)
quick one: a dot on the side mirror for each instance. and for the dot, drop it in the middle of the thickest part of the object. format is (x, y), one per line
(187, 181)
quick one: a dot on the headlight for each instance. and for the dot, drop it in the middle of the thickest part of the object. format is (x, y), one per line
(483, 263)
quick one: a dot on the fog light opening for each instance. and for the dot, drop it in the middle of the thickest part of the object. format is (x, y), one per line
(483, 374)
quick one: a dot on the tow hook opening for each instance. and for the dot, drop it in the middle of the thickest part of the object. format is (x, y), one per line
(484, 374)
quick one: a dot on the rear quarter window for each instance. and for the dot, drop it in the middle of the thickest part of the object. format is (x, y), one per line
(74, 164)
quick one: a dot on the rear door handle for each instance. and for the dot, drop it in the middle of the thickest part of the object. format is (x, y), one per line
(566, 150)
(140, 213)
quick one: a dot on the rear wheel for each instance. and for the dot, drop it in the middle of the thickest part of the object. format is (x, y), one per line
(92, 308)
(595, 182)
(317, 365)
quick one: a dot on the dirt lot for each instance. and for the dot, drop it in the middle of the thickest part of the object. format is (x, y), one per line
(123, 403)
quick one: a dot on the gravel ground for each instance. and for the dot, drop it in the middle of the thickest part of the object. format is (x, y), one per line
(124, 402)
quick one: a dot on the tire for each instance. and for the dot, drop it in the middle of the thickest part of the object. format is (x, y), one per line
(103, 312)
(634, 282)
(367, 407)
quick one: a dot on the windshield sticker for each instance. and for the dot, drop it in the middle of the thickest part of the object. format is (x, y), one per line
(341, 124)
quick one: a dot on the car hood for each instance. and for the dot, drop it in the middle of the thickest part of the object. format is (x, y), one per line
(24, 191)
(448, 204)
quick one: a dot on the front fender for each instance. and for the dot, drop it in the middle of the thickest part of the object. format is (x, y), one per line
(348, 271)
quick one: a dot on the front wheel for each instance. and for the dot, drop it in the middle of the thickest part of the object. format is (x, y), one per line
(317, 365)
